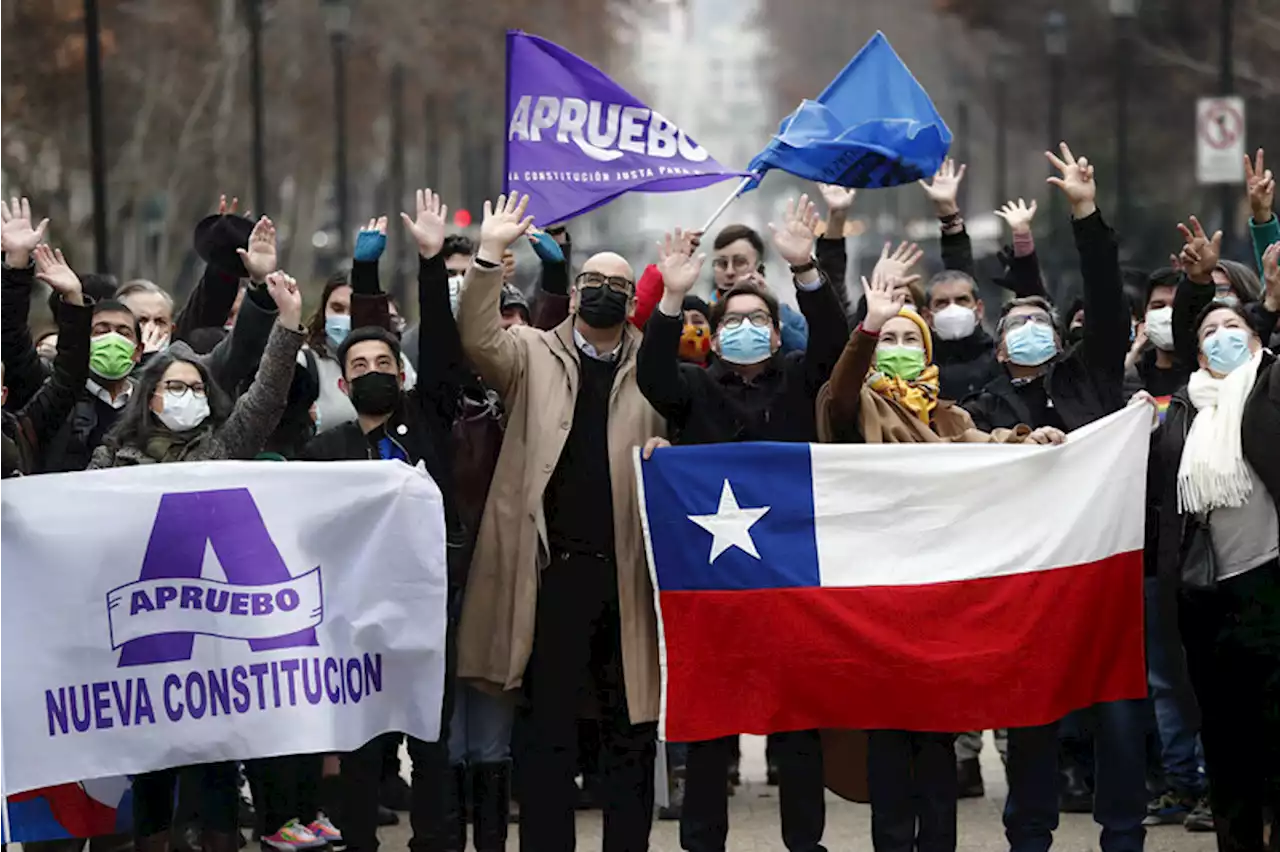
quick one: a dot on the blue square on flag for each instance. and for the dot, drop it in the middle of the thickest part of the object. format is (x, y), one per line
(731, 516)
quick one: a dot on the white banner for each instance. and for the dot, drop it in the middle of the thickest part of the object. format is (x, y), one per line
(173, 614)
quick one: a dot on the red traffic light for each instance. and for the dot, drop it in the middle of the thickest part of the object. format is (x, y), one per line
(462, 218)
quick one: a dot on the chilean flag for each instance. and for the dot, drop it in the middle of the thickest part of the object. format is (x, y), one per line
(928, 587)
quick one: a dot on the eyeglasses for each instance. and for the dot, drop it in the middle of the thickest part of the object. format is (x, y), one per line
(616, 283)
(1022, 319)
(740, 263)
(757, 318)
(180, 387)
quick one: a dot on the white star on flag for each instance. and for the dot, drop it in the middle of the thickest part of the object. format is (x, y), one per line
(731, 525)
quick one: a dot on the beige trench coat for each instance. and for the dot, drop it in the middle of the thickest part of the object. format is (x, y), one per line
(536, 374)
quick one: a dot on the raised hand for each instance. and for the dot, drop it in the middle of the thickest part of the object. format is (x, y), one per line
(898, 263)
(52, 269)
(371, 241)
(504, 222)
(679, 267)
(288, 298)
(839, 198)
(1018, 215)
(428, 227)
(17, 237)
(1076, 182)
(224, 208)
(260, 259)
(1271, 277)
(1201, 253)
(1261, 186)
(885, 294)
(794, 240)
(945, 187)
(154, 338)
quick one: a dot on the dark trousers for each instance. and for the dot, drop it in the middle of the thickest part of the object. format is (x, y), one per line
(433, 802)
(912, 777)
(576, 663)
(217, 788)
(704, 822)
(1120, 784)
(284, 788)
(1232, 638)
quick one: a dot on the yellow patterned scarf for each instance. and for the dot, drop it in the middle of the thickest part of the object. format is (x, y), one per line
(920, 394)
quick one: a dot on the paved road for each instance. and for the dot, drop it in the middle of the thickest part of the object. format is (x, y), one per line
(753, 815)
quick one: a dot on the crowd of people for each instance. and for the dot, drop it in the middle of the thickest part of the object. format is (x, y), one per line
(526, 413)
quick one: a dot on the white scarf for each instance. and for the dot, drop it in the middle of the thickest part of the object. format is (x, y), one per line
(1213, 473)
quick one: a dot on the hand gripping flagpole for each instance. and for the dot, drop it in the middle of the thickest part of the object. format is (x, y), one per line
(725, 206)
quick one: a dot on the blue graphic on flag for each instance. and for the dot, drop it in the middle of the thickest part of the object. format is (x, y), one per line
(873, 126)
(731, 517)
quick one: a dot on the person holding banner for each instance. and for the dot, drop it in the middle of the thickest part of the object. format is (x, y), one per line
(559, 602)
(178, 413)
(751, 392)
(885, 390)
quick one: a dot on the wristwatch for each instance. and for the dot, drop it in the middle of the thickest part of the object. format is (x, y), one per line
(811, 263)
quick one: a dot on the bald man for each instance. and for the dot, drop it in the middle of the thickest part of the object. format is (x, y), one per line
(558, 604)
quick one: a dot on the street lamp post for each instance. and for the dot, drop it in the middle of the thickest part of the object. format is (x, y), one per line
(1124, 12)
(97, 137)
(338, 23)
(254, 14)
(1055, 47)
(1000, 75)
(1226, 84)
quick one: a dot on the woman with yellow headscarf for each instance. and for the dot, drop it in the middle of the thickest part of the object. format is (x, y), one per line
(884, 390)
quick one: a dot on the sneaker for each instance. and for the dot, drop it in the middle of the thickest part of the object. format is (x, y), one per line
(326, 830)
(1201, 817)
(969, 776)
(1169, 809)
(293, 835)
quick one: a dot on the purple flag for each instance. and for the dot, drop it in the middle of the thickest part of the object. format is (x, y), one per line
(577, 140)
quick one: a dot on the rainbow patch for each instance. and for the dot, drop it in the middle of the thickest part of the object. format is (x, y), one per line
(1162, 405)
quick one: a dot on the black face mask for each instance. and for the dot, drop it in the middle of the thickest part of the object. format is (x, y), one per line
(375, 393)
(602, 307)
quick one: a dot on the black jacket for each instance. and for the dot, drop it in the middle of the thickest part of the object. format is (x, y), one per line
(28, 431)
(967, 365)
(1085, 383)
(714, 405)
(423, 420)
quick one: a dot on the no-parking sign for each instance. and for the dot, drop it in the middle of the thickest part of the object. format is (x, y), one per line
(1220, 131)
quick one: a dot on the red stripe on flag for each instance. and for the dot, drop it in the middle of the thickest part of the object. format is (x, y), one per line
(1011, 651)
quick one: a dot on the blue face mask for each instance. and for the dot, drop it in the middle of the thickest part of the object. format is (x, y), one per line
(746, 344)
(1226, 349)
(336, 328)
(1031, 345)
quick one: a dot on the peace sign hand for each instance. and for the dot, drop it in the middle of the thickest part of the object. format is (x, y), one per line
(1261, 186)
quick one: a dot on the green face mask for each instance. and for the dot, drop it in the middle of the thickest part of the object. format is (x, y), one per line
(111, 355)
(900, 362)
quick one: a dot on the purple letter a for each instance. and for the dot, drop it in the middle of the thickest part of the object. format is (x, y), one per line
(230, 521)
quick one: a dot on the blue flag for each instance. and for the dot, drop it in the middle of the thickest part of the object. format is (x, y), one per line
(873, 126)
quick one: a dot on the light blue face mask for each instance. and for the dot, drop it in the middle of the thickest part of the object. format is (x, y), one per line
(1030, 345)
(336, 328)
(1226, 349)
(746, 344)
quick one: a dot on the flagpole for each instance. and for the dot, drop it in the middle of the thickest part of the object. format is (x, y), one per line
(725, 206)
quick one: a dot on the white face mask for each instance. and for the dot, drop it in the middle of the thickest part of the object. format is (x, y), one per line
(1160, 328)
(183, 411)
(955, 322)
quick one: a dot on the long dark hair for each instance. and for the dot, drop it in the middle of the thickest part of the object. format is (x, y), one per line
(316, 338)
(138, 424)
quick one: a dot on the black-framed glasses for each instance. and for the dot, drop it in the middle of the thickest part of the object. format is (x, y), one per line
(757, 318)
(180, 387)
(616, 283)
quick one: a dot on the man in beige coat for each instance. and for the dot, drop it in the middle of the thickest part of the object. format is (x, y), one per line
(558, 601)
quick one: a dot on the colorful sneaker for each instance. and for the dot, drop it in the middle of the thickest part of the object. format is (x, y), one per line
(293, 836)
(326, 831)
(1201, 817)
(1169, 809)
